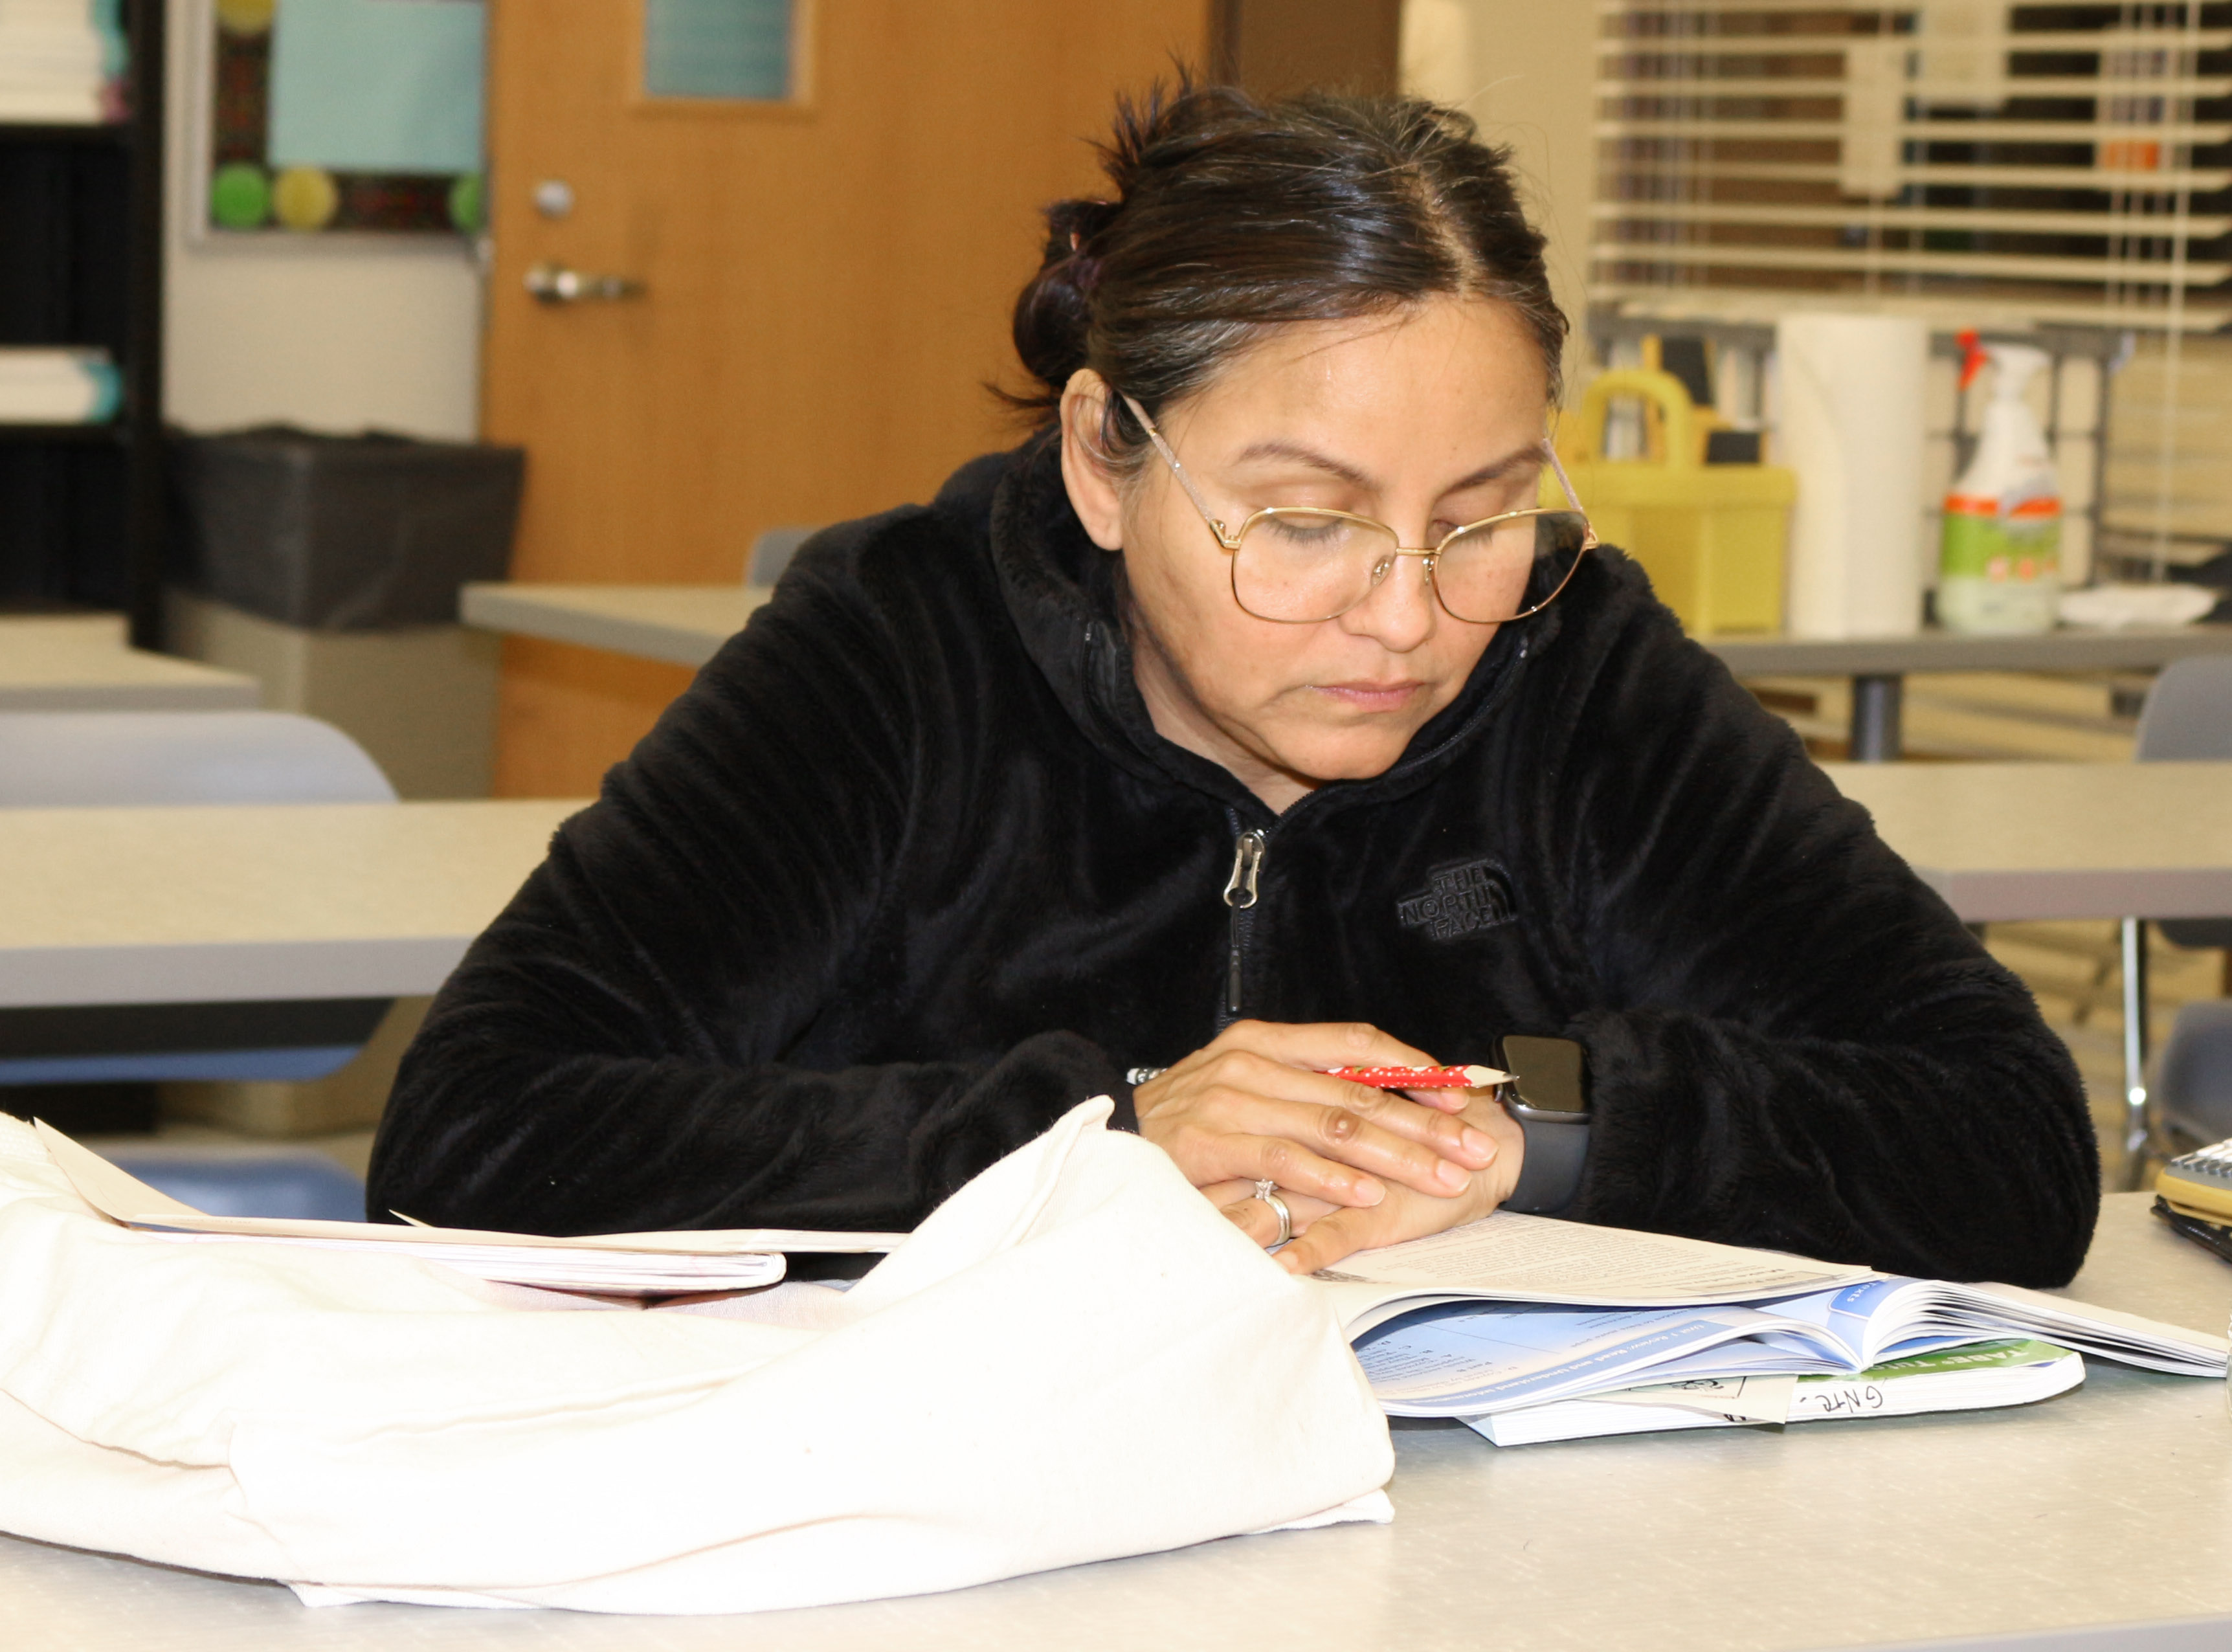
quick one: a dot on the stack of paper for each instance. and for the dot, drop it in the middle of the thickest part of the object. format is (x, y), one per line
(62, 62)
(1522, 1318)
(39, 386)
(603, 1264)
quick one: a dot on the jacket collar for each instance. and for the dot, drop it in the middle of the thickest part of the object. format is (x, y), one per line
(1065, 595)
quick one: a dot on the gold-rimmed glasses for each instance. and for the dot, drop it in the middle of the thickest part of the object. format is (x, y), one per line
(1298, 565)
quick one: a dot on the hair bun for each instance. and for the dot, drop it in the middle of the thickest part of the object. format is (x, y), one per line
(1054, 312)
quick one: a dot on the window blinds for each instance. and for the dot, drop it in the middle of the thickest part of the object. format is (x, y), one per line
(1985, 164)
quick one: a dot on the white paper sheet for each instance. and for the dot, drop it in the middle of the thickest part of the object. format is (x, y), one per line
(660, 1263)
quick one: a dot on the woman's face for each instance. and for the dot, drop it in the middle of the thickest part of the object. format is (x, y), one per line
(1426, 420)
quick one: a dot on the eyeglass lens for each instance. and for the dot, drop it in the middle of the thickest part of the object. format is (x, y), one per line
(1308, 564)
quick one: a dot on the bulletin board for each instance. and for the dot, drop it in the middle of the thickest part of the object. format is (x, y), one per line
(330, 115)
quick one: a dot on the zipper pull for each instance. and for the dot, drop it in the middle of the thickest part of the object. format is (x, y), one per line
(1247, 862)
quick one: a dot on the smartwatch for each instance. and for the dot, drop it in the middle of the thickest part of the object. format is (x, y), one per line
(1548, 1097)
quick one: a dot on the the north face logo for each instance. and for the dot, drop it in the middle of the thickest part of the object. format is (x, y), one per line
(1458, 901)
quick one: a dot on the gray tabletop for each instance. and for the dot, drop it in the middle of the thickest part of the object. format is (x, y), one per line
(81, 663)
(2012, 841)
(2110, 1505)
(2138, 648)
(194, 904)
(162, 905)
(686, 624)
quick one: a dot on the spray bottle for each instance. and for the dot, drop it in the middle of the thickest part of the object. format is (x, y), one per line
(1999, 561)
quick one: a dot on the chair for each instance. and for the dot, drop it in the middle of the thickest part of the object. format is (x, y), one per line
(2188, 718)
(772, 551)
(2193, 1082)
(107, 759)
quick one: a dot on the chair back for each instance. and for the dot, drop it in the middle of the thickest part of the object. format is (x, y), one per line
(2192, 1090)
(2189, 712)
(100, 759)
(2188, 718)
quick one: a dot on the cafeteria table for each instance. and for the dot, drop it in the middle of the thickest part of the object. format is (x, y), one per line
(686, 623)
(255, 902)
(81, 663)
(2013, 841)
(2098, 1521)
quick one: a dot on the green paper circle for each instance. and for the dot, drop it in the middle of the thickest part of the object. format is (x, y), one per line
(240, 195)
(465, 203)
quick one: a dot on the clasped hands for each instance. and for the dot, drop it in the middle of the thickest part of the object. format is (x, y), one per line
(1357, 1167)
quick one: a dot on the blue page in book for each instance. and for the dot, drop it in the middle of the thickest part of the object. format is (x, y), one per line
(1463, 1359)
(1877, 1317)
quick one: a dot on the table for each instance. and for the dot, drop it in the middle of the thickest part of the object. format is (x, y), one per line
(2008, 841)
(2005, 841)
(2110, 1505)
(247, 903)
(1879, 665)
(81, 663)
(684, 624)
(180, 904)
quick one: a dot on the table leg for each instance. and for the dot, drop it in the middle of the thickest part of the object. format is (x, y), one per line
(1875, 736)
(2135, 1133)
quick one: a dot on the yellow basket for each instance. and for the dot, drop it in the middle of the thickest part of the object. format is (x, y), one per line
(1710, 537)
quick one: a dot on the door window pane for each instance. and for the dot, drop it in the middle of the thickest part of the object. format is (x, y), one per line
(716, 49)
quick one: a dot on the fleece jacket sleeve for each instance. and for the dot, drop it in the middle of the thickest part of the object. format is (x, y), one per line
(1796, 1043)
(617, 1050)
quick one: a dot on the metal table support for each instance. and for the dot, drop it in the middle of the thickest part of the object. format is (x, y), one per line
(2137, 1131)
(1877, 702)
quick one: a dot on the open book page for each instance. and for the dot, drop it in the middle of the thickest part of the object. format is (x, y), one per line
(1510, 1258)
(2087, 1325)
(649, 1264)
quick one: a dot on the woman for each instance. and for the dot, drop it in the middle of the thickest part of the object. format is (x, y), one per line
(1094, 776)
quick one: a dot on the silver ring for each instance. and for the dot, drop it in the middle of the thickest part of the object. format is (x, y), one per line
(1286, 1218)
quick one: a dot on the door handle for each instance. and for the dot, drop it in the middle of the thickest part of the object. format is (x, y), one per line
(555, 284)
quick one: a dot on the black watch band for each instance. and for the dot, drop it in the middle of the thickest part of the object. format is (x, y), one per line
(1548, 1097)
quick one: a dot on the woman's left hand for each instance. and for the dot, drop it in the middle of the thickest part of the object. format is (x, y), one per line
(1326, 1233)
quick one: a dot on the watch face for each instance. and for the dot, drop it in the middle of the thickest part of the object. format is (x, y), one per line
(1547, 1076)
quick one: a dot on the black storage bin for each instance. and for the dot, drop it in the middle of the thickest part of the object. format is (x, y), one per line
(342, 533)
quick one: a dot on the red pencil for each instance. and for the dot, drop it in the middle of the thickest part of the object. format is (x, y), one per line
(1422, 1078)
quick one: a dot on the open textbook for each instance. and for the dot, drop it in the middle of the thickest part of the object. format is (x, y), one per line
(1519, 1312)
(604, 1264)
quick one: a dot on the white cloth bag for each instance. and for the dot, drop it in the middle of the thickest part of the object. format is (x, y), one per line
(1074, 1358)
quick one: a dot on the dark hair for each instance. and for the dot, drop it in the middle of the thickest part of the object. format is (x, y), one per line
(1231, 216)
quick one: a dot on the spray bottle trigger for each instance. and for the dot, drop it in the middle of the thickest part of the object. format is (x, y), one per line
(1972, 356)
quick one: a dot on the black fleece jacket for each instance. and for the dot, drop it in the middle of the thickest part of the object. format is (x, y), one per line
(907, 872)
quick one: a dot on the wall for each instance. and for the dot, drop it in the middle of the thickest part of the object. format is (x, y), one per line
(1524, 69)
(336, 334)
(1275, 46)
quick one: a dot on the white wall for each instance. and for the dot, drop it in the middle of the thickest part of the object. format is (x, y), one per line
(1524, 69)
(335, 332)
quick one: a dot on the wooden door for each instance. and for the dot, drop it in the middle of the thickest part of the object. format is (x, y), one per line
(826, 284)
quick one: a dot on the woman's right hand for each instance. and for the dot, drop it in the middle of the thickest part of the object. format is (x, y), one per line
(1256, 1103)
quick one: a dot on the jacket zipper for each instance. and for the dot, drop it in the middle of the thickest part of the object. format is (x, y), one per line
(1248, 848)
